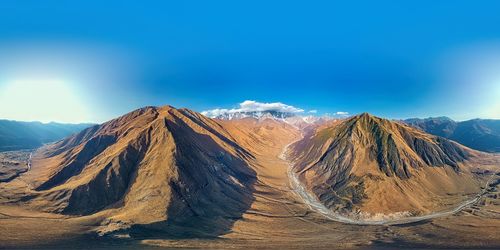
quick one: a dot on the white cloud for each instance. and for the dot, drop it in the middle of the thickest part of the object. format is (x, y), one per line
(338, 114)
(251, 106)
(313, 111)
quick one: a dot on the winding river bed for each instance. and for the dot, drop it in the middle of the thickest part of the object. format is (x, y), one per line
(315, 205)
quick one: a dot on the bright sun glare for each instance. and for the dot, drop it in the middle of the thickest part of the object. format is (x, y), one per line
(41, 100)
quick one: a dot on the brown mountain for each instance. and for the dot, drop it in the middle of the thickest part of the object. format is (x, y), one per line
(160, 168)
(374, 168)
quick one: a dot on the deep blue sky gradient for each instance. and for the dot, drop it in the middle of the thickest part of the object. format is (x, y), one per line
(396, 59)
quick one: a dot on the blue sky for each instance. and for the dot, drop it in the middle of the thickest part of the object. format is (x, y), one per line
(395, 59)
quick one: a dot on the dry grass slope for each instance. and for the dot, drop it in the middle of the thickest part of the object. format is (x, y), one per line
(367, 165)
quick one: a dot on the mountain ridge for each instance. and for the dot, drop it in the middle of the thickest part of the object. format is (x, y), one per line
(19, 135)
(151, 167)
(480, 134)
(361, 157)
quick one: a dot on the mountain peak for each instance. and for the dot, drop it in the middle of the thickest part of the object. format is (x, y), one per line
(365, 114)
(367, 122)
(365, 153)
(150, 160)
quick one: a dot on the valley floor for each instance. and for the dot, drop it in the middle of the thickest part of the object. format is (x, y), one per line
(277, 219)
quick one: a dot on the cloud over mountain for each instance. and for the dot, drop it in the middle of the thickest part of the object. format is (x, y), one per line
(254, 106)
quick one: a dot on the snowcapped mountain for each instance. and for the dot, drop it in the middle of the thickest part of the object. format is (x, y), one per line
(261, 111)
(254, 114)
(293, 119)
(302, 122)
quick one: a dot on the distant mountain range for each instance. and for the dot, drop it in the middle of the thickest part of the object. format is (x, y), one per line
(17, 135)
(294, 119)
(480, 134)
(254, 114)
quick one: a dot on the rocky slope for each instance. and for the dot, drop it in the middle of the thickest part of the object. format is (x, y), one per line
(163, 169)
(372, 168)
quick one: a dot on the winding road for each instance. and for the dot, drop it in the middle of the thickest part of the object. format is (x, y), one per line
(315, 205)
(29, 161)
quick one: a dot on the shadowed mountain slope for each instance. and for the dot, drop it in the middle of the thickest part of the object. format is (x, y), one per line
(366, 166)
(155, 168)
(479, 134)
(16, 135)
